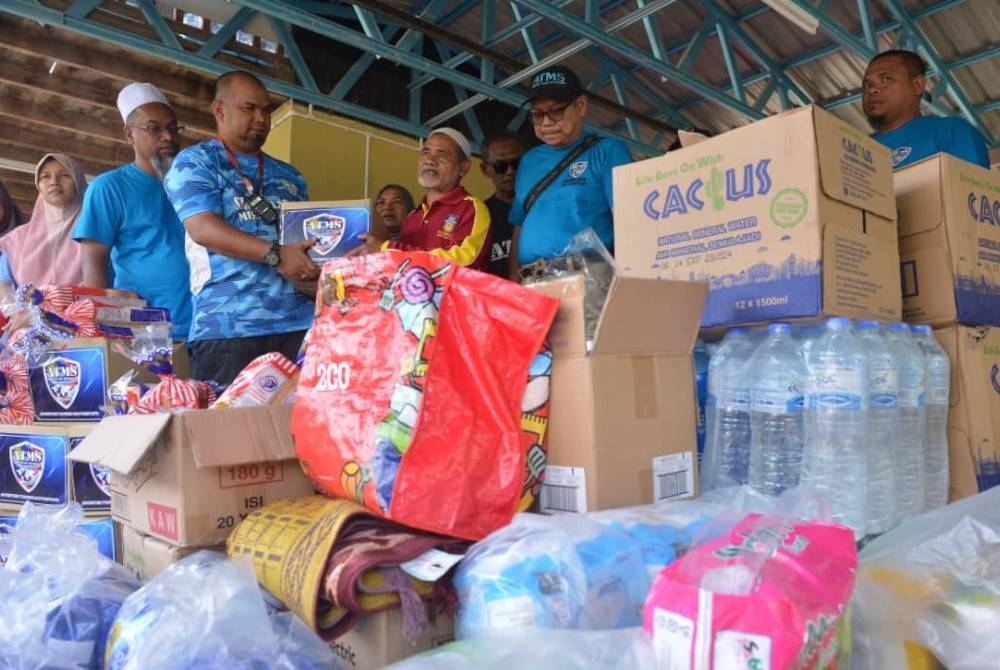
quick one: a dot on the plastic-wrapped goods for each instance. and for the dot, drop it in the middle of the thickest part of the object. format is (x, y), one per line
(835, 464)
(266, 380)
(909, 442)
(16, 406)
(587, 572)
(58, 595)
(207, 613)
(625, 649)
(771, 593)
(777, 380)
(883, 429)
(727, 414)
(938, 386)
(933, 581)
(173, 394)
(415, 393)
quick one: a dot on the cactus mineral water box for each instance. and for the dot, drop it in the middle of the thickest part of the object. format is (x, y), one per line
(335, 225)
(33, 465)
(792, 216)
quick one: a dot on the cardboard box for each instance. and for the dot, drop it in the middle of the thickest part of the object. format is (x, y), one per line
(790, 217)
(622, 419)
(102, 530)
(33, 466)
(377, 640)
(335, 225)
(70, 383)
(949, 242)
(145, 556)
(974, 415)
(189, 478)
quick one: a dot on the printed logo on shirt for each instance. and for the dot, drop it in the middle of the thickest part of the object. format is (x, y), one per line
(500, 251)
(448, 227)
(288, 187)
(577, 169)
(901, 154)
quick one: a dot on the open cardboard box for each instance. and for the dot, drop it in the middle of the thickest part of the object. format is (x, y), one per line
(623, 416)
(188, 478)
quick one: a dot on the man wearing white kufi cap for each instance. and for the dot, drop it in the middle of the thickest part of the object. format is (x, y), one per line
(127, 224)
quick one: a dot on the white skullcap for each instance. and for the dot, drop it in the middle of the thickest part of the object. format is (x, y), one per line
(138, 94)
(459, 138)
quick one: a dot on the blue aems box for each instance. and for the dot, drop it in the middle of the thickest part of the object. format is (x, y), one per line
(335, 225)
(33, 465)
(91, 482)
(102, 530)
(70, 383)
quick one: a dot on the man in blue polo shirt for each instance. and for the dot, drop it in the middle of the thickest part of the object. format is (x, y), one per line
(227, 192)
(580, 196)
(127, 218)
(891, 92)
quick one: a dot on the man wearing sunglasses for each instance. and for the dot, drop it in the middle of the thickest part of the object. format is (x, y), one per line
(127, 221)
(501, 156)
(561, 190)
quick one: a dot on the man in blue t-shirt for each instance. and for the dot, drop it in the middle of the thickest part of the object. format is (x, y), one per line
(580, 196)
(891, 92)
(227, 192)
(127, 219)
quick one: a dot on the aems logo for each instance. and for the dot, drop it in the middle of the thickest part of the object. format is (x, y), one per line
(326, 229)
(984, 209)
(27, 462)
(101, 477)
(62, 379)
(734, 184)
(548, 79)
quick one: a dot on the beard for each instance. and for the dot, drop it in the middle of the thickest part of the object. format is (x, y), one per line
(161, 164)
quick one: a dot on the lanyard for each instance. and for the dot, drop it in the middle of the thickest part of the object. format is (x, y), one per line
(236, 166)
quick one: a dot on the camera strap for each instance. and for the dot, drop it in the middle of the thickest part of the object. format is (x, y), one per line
(236, 166)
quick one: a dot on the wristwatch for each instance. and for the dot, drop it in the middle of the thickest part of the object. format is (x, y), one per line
(273, 256)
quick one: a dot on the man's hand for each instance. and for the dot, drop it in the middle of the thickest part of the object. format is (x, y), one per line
(372, 245)
(295, 265)
(307, 287)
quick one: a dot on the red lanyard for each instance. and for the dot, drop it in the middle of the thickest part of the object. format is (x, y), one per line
(236, 166)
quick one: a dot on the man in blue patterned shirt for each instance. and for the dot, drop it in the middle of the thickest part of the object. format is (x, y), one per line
(227, 192)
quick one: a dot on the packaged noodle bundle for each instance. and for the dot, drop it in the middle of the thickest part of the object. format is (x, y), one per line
(265, 381)
(771, 593)
(57, 298)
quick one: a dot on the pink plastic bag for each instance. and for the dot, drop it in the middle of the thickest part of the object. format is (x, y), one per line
(771, 594)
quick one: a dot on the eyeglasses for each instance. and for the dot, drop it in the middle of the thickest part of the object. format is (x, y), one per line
(555, 113)
(156, 129)
(500, 167)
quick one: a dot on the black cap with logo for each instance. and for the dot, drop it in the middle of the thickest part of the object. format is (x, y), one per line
(555, 83)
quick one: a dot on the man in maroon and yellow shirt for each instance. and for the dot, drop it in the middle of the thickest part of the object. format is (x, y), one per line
(448, 222)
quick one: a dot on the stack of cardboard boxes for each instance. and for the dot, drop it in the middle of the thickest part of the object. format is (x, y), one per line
(949, 237)
(790, 218)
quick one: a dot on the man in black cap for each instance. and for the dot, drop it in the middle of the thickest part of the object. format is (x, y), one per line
(563, 186)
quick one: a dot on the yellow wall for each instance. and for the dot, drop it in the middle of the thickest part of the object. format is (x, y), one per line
(343, 159)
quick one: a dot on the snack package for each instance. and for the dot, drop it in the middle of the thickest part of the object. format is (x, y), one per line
(173, 394)
(207, 612)
(124, 394)
(265, 381)
(56, 298)
(771, 593)
(16, 405)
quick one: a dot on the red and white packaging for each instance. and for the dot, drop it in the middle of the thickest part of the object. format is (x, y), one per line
(267, 380)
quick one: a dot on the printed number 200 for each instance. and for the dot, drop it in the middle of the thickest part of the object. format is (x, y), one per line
(333, 376)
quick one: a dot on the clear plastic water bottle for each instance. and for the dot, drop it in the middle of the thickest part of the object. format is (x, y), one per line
(938, 371)
(835, 465)
(883, 427)
(727, 416)
(777, 372)
(701, 360)
(910, 439)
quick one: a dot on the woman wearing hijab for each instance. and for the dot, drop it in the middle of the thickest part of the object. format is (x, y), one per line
(43, 250)
(10, 216)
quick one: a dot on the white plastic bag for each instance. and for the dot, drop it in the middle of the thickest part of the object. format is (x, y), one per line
(206, 612)
(934, 581)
